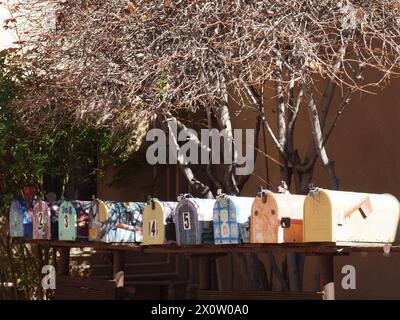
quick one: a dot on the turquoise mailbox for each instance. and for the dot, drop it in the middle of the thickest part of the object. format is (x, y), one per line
(67, 221)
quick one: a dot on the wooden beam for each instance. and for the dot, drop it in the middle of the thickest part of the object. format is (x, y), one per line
(307, 248)
(204, 273)
(326, 277)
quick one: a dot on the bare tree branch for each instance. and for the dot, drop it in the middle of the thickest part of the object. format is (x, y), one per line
(196, 185)
(256, 101)
(318, 138)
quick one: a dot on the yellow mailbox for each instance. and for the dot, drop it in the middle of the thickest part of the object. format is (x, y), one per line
(339, 216)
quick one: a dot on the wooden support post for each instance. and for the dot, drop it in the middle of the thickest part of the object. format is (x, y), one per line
(326, 276)
(293, 273)
(63, 263)
(213, 273)
(118, 271)
(204, 273)
(41, 292)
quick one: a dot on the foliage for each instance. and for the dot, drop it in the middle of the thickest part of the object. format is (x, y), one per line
(66, 151)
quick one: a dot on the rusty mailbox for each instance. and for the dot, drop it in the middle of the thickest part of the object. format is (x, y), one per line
(277, 218)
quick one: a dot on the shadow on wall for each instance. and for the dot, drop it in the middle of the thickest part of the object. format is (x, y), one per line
(376, 276)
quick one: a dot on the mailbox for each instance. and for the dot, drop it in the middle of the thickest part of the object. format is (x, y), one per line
(20, 220)
(125, 222)
(98, 217)
(231, 219)
(157, 217)
(339, 216)
(120, 222)
(82, 219)
(67, 221)
(194, 220)
(41, 221)
(277, 218)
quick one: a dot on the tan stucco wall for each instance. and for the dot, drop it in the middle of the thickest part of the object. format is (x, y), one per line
(364, 144)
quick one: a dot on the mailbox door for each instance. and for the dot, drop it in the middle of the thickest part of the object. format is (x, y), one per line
(318, 218)
(153, 223)
(225, 223)
(41, 221)
(98, 218)
(187, 223)
(16, 219)
(67, 221)
(265, 220)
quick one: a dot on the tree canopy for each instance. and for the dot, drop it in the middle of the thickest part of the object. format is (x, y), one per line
(117, 63)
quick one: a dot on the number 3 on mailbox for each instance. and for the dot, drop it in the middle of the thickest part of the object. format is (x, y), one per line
(66, 221)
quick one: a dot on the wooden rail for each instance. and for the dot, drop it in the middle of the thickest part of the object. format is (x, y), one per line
(307, 248)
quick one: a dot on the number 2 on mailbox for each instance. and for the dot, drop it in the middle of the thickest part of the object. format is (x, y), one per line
(186, 221)
(40, 221)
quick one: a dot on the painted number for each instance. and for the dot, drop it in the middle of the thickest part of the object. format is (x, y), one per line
(66, 221)
(186, 221)
(153, 228)
(40, 220)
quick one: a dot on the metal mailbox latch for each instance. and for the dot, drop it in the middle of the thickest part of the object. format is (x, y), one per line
(312, 191)
(263, 195)
(285, 222)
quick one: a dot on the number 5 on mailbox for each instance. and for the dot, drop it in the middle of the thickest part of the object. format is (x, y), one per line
(186, 221)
